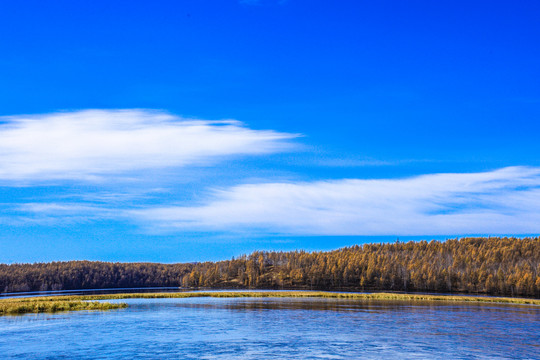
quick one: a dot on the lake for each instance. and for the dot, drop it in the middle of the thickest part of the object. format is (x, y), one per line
(277, 328)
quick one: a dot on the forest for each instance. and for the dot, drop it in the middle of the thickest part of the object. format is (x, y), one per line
(494, 266)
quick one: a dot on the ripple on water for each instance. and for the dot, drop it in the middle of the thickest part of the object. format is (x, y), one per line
(277, 328)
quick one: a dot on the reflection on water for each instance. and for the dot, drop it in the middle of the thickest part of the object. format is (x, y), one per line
(333, 304)
(277, 328)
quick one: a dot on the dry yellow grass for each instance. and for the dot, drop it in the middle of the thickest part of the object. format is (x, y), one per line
(39, 305)
(88, 302)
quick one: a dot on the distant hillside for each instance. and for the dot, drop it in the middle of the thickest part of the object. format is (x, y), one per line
(496, 266)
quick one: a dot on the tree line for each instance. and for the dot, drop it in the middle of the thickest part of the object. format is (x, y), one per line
(495, 266)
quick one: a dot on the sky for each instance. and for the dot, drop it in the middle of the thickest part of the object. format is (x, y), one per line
(195, 130)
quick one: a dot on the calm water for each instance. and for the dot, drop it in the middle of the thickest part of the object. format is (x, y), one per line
(209, 328)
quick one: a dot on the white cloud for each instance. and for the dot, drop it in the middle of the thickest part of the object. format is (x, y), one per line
(54, 214)
(102, 143)
(496, 202)
(93, 143)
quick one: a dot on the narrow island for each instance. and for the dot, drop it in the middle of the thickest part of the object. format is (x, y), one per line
(90, 302)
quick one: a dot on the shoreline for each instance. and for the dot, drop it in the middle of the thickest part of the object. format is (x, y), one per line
(51, 304)
(313, 294)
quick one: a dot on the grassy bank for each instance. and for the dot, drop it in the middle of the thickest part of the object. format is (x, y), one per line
(316, 294)
(82, 302)
(88, 302)
(48, 305)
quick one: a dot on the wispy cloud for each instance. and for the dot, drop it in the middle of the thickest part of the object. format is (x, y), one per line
(93, 143)
(54, 214)
(502, 201)
(98, 144)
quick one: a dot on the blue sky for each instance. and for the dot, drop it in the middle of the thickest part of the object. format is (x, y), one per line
(200, 130)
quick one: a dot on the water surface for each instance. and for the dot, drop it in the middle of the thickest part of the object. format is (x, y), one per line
(277, 328)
